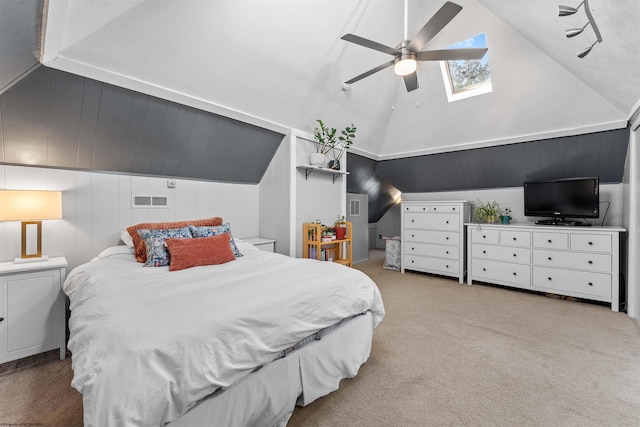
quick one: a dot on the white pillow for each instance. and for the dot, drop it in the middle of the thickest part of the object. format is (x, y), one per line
(126, 238)
(115, 250)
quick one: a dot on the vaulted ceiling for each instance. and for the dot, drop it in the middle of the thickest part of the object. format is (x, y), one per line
(280, 64)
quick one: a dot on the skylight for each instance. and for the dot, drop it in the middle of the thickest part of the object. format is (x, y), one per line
(464, 79)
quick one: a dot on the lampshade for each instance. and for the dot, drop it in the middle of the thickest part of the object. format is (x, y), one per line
(405, 66)
(27, 205)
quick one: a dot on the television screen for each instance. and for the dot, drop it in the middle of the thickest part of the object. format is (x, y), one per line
(563, 198)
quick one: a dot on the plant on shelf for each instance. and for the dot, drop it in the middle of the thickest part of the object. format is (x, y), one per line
(487, 212)
(346, 141)
(505, 216)
(341, 227)
(325, 140)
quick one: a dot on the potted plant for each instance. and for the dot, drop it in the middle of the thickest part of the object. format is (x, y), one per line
(346, 141)
(505, 216)
(341, 227)
(487, 212)
(325, 139)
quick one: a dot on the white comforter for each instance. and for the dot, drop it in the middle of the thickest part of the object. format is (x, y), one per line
(148, 344)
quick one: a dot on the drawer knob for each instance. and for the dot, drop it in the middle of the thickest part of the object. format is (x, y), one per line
(549, 258)
(447, 238)
(549, 278)
(447, 222)
(484, 269)
(454, 209)
(447, 266)
(414, 221)
(515, 274)
(484, 252)
(411, 261)
(590, 262)
(447, 252)
(413, 235)
(590, 283)
(484, 237)
(515, 254)
(590, 243)
(1, 319)
(424, 209)
(549, 240)
(435, 209)
(514, 239)
(413, 249)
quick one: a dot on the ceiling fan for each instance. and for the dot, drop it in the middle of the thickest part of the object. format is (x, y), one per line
(408, 52)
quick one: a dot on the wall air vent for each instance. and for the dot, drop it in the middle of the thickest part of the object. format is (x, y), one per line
(354, 208)
(149, 202)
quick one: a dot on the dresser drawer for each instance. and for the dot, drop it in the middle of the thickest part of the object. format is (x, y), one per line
(502, 253)
(515, 238)
(439, 237)
(417, 208)
(449, 252)
(501, 272)
(425, 263)
(484, 235)
(436, 221)
(550, 240)
(575, 260)
(573, 282)
(445, 208)
(591, 242)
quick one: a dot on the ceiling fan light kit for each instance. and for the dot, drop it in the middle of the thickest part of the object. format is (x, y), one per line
(572, 32)
(409, 52)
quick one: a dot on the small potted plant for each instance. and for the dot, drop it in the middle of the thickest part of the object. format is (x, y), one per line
(346, 141)
(326, 140)
(341, 227)
(487, 212)
(505, 217)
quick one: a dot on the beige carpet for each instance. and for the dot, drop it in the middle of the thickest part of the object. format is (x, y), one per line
(446, 354)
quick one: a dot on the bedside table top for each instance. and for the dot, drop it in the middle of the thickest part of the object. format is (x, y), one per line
(258, 241)
(12, 267)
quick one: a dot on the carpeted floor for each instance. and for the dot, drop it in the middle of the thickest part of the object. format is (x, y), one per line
(445, 354)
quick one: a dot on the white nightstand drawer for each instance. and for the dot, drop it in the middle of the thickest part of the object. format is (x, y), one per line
(550, 240)
(484, 235)
(515, 238)
(502, 253)
(438, 237)
(591, 243)
(413, 248)
(575, 260)
(502, 272)
(418, 262)
(436, 221)
(573, 282)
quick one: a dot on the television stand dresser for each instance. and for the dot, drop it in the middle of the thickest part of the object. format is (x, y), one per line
(581, 262)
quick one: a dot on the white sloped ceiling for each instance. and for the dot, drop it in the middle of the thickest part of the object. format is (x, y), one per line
(280, 64)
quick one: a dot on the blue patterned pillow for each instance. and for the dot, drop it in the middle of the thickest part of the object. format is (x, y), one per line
(205, 231)
(157, 254)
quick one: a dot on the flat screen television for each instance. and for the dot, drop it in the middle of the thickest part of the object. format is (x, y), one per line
(563, 200)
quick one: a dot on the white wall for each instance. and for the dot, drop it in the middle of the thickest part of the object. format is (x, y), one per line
(96, 208)
(387, 226)
(631, 221)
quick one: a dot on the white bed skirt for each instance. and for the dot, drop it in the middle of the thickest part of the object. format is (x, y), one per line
(268, 396)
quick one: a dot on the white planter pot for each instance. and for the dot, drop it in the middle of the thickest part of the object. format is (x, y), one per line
(317, 159)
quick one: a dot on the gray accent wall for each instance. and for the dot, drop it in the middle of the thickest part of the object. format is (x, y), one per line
(362, 179)
(57, 119)
(599, 154)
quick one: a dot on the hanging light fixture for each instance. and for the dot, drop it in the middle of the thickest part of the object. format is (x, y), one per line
(572, 32)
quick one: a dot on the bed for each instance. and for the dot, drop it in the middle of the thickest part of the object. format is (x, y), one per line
(240, 343)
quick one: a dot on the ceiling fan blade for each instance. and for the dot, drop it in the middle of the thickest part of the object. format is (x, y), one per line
(437, 22)
(370, 44)
(368, 73)
(451, 54)
(411, 81)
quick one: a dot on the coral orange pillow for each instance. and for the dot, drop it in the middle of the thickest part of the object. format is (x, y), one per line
(138, 242)
(187, 253)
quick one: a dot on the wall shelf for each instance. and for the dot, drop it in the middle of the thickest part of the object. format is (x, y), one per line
(310, 168)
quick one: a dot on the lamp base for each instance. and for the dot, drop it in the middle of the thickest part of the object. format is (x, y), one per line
(34, 259)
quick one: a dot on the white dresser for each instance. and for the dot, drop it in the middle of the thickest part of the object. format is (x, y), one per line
(583, 262)
(433, 237)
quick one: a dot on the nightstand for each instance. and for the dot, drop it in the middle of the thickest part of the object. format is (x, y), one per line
(268, 245)
(32, 308)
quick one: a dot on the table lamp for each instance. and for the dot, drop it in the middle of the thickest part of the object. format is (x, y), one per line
(30, 207)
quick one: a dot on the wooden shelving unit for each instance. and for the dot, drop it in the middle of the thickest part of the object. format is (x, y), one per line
(339, 251)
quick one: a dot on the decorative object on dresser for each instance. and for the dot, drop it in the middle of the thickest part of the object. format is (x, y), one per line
(578, 262)
(488, 212)
(433, 237)
(505, 216)
(32, 308)
(30, 207)
(316, 245)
